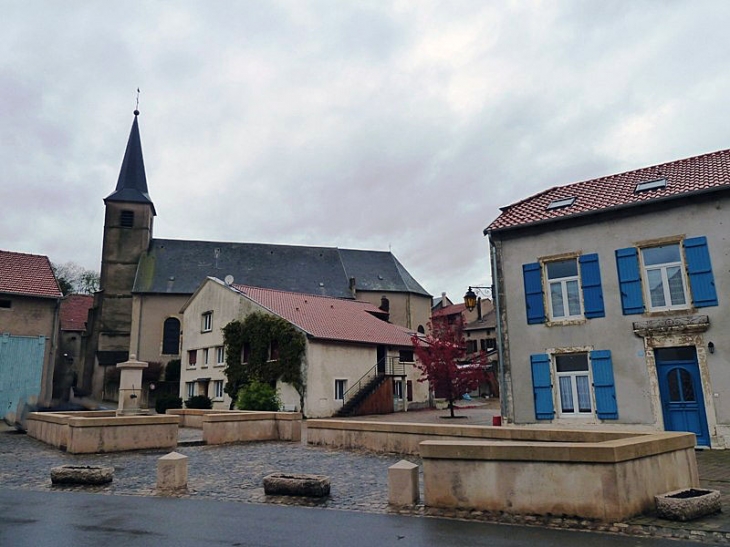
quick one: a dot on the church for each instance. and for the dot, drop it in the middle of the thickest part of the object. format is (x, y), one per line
(145, 282)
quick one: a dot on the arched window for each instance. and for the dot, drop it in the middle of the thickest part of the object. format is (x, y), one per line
(171, 336)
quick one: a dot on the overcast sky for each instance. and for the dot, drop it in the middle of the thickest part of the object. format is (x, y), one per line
(364, 124)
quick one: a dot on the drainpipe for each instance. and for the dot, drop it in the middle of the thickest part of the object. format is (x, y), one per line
(503, 392)
(45, 394)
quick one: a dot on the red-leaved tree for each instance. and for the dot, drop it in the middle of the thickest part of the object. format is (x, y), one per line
(441, 356)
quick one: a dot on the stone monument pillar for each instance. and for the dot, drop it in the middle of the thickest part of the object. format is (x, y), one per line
(130, 387)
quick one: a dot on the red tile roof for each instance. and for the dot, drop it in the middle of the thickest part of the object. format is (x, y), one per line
(454, 309)
(698, 174)
(27, 274)
(74, 311)
(330, 318)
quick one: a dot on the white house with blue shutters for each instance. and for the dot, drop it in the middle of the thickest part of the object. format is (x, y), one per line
(612, 300)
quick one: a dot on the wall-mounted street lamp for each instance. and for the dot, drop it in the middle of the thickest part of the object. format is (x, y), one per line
(470, 298)
(711, 347)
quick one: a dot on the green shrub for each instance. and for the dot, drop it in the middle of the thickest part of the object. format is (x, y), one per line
(167, 400)
(199, 401)
(258, 396)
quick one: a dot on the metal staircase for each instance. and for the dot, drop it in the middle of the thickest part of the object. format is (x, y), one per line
(369, 383)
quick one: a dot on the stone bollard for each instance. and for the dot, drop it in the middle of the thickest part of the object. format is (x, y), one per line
(172, 472)
(403, 483)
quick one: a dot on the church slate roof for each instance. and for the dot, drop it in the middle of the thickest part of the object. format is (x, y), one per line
(179, 266)
(132, 182)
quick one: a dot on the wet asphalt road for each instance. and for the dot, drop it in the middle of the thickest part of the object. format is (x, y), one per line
(73, 519)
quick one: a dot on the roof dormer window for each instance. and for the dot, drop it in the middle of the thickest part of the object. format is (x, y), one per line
(560, 203)
(650, 185)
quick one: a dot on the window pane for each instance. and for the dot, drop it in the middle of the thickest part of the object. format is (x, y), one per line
(171, 336)
(562, 268)
(571, 362)
(661, 255)
(673, 380)
(676, 288)
(584, 393)
(556, 299)
(566, 394)
(688, 391)
(684, 353)
(656, 288)
(573, 297)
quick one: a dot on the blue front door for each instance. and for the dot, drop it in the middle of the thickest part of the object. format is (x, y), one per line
(680, 386)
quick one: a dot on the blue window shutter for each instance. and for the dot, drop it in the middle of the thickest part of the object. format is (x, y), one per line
(699, 269)
(542, 386)
(603, 385)
(532, 274)
(629, 280)
(590, 278)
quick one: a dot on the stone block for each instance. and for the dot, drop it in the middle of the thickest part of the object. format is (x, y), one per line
(172, 472)
(296, 484)
(81, 474)
(688, 504)
(403, 483)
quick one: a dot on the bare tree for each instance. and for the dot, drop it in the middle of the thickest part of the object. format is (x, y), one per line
(75, 279)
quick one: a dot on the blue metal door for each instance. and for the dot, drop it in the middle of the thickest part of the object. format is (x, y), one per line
(680, 386)
(21, 370)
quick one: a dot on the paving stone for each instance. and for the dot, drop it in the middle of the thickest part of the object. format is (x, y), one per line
(359, 480)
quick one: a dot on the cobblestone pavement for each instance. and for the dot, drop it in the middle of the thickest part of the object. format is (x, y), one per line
(359, 479)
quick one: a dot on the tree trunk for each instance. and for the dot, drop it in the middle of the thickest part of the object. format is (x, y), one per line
(451, 407)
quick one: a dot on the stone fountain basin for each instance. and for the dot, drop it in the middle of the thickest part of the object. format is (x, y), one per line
(688, 504)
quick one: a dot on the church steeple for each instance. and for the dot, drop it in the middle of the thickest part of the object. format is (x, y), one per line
(132, 182)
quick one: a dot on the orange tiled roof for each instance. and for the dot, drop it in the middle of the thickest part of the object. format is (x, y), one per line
(683, 177)
(74, 311)
(27, 274)
(454, 309)
(330, 318)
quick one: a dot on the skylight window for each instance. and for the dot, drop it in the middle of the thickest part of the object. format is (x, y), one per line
(650, 185)
(560, 203)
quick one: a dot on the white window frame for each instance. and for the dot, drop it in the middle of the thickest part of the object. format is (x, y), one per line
(563, 283)
(398, 390)
(206, 356)
(340, 389)
(218, 392)
(206, 322)
(572, 375)
(663, 268)
(220, 356)
(190, 389)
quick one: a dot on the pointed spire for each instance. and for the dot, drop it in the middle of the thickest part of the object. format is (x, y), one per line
(132, 182)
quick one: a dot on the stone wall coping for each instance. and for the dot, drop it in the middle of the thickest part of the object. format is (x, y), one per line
(234, 415)
(502, 433)
(161, 419)
(612, 451)
(74, 420)
(51, 417)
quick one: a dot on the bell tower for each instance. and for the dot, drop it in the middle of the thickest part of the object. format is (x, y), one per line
(127, 233)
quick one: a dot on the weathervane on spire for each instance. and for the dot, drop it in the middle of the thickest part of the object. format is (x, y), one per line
(136, 108)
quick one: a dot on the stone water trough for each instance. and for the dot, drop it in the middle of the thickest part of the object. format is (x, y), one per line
(82, 474)
(688, 504)
(296, 484)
